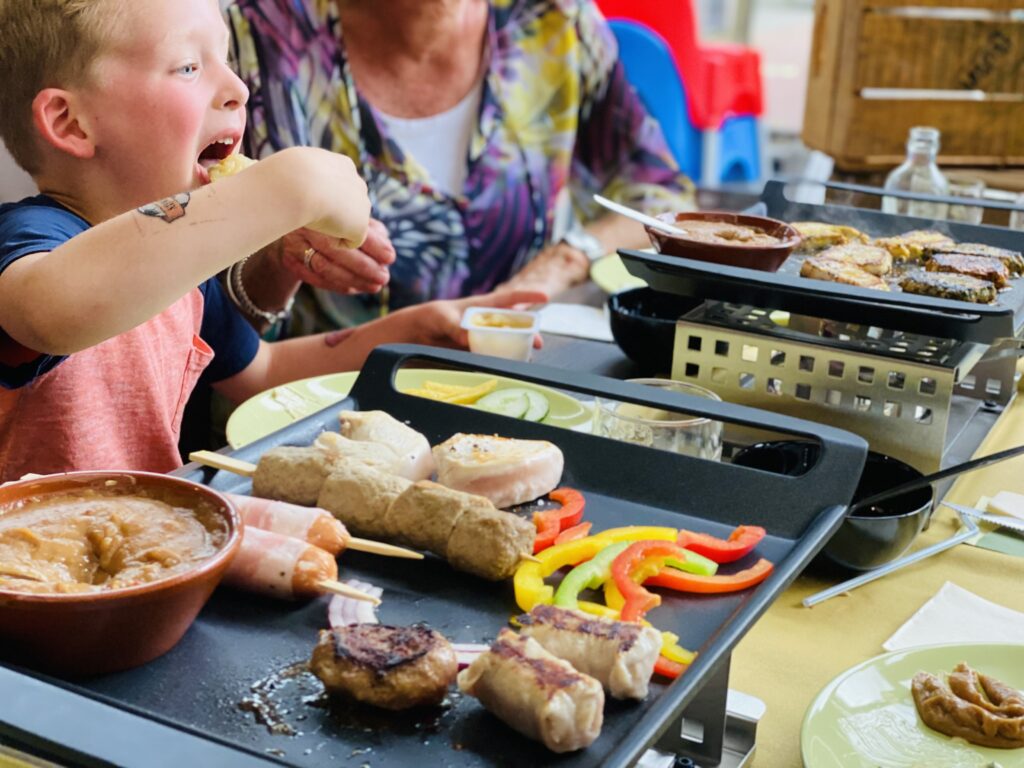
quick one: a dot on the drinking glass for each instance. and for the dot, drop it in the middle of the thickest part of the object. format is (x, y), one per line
(969, 214)
(657, 428)
(1017, 217)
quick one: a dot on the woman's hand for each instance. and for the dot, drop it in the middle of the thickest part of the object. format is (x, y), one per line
(555, 269)
(324, 262)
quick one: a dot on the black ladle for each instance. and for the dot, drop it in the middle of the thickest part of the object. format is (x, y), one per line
(921, 482)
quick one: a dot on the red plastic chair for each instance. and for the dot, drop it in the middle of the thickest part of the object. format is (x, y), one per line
(722, 80)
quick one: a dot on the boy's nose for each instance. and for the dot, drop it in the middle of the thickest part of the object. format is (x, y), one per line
(235, 93)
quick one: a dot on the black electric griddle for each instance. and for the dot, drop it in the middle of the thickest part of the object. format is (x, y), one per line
(186, 708)
(786, 290)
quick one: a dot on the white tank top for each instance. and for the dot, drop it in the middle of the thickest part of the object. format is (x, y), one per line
(440, 143)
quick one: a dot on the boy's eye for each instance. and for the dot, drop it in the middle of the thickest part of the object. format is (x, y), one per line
(188, 69)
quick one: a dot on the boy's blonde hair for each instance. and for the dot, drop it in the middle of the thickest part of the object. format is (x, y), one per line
(44, 44)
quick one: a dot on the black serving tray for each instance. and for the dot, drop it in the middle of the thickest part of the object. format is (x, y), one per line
(187, 702)
(786, 290)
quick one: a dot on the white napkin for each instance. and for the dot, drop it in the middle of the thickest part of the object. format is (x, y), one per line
(955, 615)
(575, 320)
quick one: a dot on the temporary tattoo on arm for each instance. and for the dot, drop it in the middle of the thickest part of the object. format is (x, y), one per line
(169, 209)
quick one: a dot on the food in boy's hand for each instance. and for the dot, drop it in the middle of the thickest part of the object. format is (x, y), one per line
(390, 667)
(536, 693)
(229, 166)
(414, 459)
(505, 470)
(620, 655)
(971, 706)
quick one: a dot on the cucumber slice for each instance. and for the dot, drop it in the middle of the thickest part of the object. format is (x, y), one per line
(507, 402)
(539, 406)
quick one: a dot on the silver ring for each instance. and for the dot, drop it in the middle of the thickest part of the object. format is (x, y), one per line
(307, 258)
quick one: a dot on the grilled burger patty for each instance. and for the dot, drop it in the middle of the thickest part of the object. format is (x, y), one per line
(389, 667)
(949, 286)
(981, 267)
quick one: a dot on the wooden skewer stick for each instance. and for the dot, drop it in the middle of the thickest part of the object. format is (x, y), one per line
(337, 588)
(380, 548)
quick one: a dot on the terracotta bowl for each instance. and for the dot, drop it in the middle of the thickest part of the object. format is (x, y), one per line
(767, 258)
(86, 634)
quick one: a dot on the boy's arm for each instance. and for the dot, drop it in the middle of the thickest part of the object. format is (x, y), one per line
(435, 323)
(128, 269)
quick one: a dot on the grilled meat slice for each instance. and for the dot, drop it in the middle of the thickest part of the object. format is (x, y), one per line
(949, 286)
(981, 267)
(870, 258)
(836, 271)
(817, 235)
(389, 667)
(1013, 260)
(914, 244)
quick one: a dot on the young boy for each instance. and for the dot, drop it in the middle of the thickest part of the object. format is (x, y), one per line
(103, 330)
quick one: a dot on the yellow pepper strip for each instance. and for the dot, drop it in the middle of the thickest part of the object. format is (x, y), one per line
(461, 390)
(529, 583)
(470, 396)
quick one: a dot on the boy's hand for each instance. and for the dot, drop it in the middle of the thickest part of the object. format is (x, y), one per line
(324, 262)
(332, 189)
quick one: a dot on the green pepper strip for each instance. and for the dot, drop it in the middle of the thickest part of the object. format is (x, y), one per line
(588, 575)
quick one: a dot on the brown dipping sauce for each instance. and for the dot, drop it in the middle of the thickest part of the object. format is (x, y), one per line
(722, 233)
(103, 538)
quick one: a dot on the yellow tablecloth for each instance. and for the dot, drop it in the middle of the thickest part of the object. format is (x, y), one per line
(793, 652)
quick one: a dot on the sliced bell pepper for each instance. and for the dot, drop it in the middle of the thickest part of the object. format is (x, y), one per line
(667, 668)
(553, 521)
(588, 575)
(637, 563)
(741, 542)
(688, 582)
(575, 533)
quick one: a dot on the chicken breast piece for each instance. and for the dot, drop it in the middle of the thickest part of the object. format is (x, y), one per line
(822, 268)
(618, 654)
(536, 693)
(816, 235)
(390, 667)
(981, 267)
(336, 447)
(415, 460)
(505, 470)
(944, 285)
(1013, 260)
(872, 259)
(914, 244)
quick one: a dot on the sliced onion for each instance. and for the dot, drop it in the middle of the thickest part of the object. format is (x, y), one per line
(467, 653)
(342, 611)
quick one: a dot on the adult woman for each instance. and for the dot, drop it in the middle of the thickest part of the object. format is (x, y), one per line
(480, 127)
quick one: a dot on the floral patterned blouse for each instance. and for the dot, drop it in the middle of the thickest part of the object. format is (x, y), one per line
(556, 113)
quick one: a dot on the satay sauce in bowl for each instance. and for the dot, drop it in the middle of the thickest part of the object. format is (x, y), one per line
(103, 571)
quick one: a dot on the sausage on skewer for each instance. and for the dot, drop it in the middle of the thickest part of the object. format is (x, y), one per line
(310, 524)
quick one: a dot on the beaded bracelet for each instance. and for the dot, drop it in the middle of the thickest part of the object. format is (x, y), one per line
(238, 295)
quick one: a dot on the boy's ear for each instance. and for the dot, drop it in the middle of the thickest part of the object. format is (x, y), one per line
(56, 118)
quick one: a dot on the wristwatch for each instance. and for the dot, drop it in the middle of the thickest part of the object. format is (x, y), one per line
(583, 241)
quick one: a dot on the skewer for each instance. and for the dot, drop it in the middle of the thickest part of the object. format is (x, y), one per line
(337, 588)
(247, 469)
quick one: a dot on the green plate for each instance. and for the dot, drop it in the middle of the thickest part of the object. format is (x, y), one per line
(611, 275)
(280, 406)
(866, 718)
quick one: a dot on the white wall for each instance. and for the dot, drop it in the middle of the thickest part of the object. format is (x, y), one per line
(14, 182)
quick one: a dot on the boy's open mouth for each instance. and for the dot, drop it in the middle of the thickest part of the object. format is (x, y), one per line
(217, 151)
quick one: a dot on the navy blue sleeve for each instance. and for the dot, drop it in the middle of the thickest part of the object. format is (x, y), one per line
(35, 225)
(233, 340)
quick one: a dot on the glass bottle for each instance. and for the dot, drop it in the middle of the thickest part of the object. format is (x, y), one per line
(918, 173)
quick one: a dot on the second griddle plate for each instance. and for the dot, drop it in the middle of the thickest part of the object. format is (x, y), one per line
(240, 640)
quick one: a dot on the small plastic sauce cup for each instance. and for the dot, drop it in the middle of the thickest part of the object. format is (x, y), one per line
(504, 333)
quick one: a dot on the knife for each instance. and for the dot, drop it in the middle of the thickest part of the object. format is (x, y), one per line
(1000, 520)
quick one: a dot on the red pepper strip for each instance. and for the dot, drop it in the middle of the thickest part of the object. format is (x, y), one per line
(580, 531)
(689, 582)
(553, 521)
(741, 542)
(638, 600)
(669, 669)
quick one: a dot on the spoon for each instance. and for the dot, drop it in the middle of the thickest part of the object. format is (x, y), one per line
(921, 482)
(643, 218)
